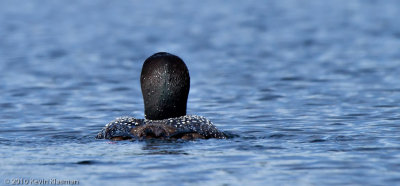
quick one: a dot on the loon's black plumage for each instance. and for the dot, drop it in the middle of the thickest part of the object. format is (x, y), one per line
(185, 127)
(165, 84)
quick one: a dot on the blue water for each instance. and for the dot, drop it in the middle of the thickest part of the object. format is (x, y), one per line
(310, 89)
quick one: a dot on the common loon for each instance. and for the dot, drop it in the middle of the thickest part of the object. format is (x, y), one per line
(165, 84)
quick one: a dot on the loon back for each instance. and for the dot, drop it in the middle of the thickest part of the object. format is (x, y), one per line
(184, 127)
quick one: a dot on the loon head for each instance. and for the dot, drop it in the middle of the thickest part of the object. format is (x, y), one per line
(165, 84)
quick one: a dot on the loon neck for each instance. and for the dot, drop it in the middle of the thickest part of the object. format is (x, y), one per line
(165, 84)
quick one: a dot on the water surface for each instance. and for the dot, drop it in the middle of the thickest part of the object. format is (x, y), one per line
(310, 88)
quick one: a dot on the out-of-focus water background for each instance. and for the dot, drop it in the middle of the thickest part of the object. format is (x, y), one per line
(310, 88)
